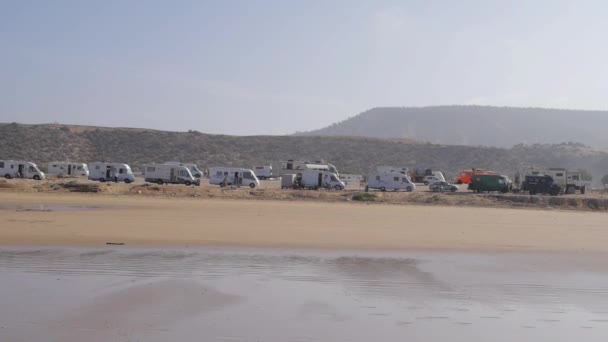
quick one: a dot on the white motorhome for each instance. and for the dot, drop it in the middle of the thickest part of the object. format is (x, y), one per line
(20, 169)
(169, 174)
(394, 181)
(68, 169)
(292, 166)
(315, 179)
(227, 176)
(111, 172)
(263, 172)
(196, 172)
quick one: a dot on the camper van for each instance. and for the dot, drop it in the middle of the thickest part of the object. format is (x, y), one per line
(68, 169)
(393, 181)
(263, 172)
(294, 166)
(315, 179)
(20, 169)
(226, 176)
(112, 172)
(169, 174)
(196, 172)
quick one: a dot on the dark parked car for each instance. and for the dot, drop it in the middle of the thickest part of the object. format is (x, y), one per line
(541, 185)
(443, 186)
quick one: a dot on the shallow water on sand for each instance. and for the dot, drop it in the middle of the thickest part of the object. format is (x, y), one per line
(132, 294)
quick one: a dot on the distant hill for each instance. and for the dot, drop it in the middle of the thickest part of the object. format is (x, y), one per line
(45, 143)
(477, 125)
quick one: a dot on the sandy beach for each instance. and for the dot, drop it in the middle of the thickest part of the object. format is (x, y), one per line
(81, 219)
(195, 269)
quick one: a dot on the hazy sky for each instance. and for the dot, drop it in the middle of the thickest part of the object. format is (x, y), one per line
(274, 67)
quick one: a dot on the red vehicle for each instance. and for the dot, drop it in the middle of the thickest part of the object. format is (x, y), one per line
(465, 176)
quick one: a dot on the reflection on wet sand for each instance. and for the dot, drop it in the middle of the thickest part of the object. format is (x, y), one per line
(275, 295)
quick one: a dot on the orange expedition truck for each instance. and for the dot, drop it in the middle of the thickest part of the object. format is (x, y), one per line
(465, 176)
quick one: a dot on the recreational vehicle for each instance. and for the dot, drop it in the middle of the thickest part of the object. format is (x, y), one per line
(294, 166)
(315, 179)
(169, 174)
(112, 172)
(393, 181)
(68, 169)
(196, 172)
(20, 169)
(227, 176)
(263, 172)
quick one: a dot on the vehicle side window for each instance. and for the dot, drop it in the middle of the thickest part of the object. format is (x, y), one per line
(405, 180)
(2, 165)
(32, 169)
(182, 173)
(121, 170)
(247, 175)
(377, 178)
(559, 174)
(333, 179)
(396, 179)
(150, 169)
(97, 167)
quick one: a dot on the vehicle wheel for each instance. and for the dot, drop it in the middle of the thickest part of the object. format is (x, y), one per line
(7, 176)
(426, 183)
(188, 183)
(252, 185)
(409, 189)
(36, 177)
(338, 187)
(222, 185)
(532, 193)
(382, 189)
(453, 189)
(127, 181)
(262, 177)
(459, 182)
(103, 180)
(160, 182)
(583, 190)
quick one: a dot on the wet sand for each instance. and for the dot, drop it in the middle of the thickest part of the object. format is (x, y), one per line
(189, 222)
(237, 294)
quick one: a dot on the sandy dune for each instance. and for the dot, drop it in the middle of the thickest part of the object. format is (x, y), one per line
(51, 219)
